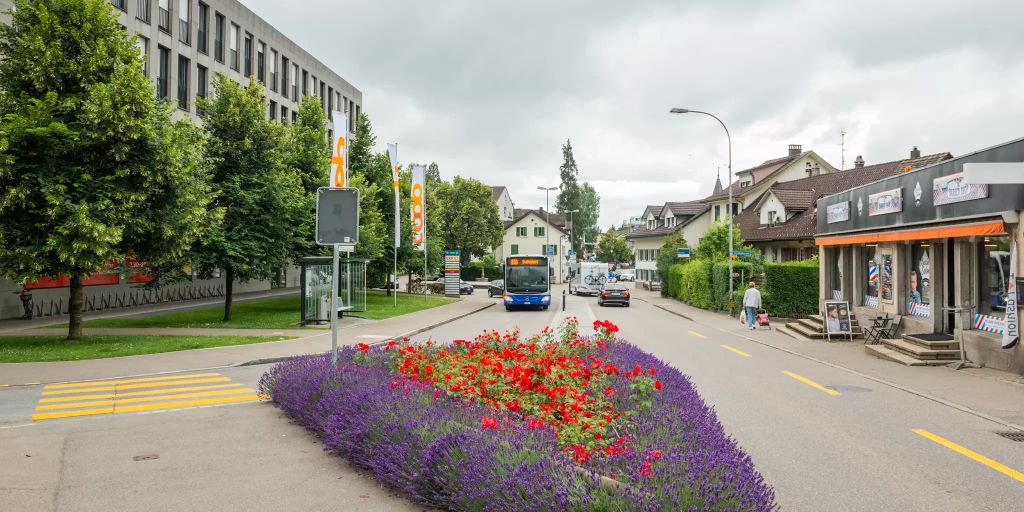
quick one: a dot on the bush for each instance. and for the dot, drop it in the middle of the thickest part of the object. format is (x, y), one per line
(671, 287)
(472, 272)
(697, 283)
(720, 281)
(791, 289)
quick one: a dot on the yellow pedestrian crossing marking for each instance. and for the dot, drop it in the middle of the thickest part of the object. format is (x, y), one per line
(164, 392)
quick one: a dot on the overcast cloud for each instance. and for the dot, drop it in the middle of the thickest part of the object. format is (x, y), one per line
(493, 89)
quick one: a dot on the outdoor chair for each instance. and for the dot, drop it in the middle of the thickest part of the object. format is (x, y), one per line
(874, 335)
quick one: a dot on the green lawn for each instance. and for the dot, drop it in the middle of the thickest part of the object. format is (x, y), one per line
(275, 313)
(30, 349)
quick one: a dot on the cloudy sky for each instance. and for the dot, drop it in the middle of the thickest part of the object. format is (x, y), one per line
(493, 89)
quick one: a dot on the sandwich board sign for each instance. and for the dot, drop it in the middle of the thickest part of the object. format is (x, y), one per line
(337, 217)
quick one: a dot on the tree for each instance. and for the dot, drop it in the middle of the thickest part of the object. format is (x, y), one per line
(569, 191)
(433, 174)
(612, 248)
(360, 149)
(585, 222)
(467, 217)
(307, 153)
(91, 167)
(261, 195)
(715, 244)
(667, 256)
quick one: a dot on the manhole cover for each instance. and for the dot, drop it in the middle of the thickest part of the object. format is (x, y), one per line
(1013, 436)
(151, 456)
(849, 389)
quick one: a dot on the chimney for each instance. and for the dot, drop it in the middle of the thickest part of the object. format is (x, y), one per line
(859, 162)
(915, 153)
(795, 149)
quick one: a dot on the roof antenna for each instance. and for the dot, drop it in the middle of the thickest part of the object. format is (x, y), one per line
(842, 149)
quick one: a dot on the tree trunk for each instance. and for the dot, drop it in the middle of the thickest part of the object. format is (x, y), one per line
(229, 281)
(75, 308)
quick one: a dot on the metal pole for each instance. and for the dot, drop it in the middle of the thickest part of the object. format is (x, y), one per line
(334, 305)
(394, 285)
(547, 228)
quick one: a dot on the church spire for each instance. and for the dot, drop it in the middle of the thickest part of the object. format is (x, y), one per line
(718, 183)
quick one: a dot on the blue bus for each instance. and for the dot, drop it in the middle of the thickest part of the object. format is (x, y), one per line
(527, 282)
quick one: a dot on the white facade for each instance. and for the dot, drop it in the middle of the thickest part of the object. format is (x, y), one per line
(645, 252)
(528, 236)
(506, 209)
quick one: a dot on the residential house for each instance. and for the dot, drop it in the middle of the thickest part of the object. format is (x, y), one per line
(506, 209)
(530, 232)
(781, 221)
(660, 222)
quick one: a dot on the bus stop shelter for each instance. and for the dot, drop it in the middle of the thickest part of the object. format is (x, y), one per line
(315, 292)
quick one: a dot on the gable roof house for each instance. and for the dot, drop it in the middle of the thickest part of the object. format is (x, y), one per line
(506, 208)
(781, 221)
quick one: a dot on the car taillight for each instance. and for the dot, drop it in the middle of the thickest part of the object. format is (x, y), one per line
(626, 293)
(604, 292)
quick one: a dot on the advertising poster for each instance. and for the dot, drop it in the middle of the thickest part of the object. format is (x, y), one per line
(837, 317)
(885, 281)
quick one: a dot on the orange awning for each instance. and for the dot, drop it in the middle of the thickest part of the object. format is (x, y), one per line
(978, 229)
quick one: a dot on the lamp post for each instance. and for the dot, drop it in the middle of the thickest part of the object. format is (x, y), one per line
(571, 225)
(728, 138)
(547, 221)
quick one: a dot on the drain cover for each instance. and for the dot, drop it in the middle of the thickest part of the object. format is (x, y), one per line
(849, 389)
(151, 456)
(1015, 435)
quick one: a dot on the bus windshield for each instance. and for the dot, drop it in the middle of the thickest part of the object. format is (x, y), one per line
(527, 280)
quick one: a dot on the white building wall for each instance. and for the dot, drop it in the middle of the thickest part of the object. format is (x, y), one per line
(695, 230)
(506, 209)
(771, 209)
(646, 263)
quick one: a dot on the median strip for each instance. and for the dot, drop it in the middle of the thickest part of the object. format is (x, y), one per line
(736, 350)
(977, 457)
(811, 383)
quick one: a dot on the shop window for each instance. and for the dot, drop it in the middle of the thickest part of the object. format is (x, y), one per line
(920, 274)
(836, 273)
(994, 270)
(885, 284)
(871, 291)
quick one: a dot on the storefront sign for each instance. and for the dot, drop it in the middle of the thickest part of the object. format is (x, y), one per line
(921, 310)
(837, 317)
(954, 189)
(890, 201)
(988, 323)
(838, 212)
(871, 302)
(1011, 335)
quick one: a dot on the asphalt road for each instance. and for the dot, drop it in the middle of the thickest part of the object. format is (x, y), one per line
(848, 444)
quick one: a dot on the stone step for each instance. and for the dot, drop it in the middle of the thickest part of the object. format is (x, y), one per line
(793, 333)
(815, 332)
(818, 320)
(932, 345)
(888, 354)
(819, 327)
(922, 353)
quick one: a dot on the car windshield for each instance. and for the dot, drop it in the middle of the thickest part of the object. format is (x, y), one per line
(527, 280)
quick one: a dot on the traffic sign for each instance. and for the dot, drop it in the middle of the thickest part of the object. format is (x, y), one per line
(572, 254)
(741, 253)
(337, 216)
(682, 252)
(551, 250)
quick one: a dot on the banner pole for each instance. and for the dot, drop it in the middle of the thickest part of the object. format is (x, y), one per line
(334, 306)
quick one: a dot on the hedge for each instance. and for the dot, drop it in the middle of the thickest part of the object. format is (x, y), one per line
(696, 287)
(671, 286)
(791, 289)
(720, 281)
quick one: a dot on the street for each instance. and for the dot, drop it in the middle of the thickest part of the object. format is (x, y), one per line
(825, 438)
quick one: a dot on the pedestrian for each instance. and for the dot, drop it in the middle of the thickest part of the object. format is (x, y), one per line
(751, 303)
(26, 302)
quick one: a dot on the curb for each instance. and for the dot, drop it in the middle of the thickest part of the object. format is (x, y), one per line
(269, 360)
(941, 401)
(666, 310)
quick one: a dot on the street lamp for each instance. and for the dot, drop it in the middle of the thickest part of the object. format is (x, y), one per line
(571, 225)
(547, 221)
(729, 140)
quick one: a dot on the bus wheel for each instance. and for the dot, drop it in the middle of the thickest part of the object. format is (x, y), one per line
(508, 308)
(545, 308)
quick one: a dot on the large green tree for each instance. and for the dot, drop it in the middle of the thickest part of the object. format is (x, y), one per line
(585, 222)
(582, 200)
(308, 154)
(467, 217)
(715, 243)
(613, 248)
(262, 196)
(92, 168)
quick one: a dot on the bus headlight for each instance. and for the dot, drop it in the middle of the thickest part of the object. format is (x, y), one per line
(507, 298)
(546, 298)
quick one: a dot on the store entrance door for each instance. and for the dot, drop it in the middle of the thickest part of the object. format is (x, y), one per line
(951, 301)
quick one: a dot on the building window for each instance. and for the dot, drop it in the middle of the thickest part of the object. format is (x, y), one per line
(521, 232)
(351, 116)
(284, 76)
(295, 116)
(538, 231)
(218, 37)
(120, 4)
(330, 100)
(295, 82)
(920, 274)
(183, 68)
(261, 65)
(248, 54)
(515, 249)
(203, 34)
(143, 44)
(718, 211)
(735, 209)
(142, 10)
(358, 108)
(202, 80)
(184, 22)
(994, 272)
(305, 83)
(233, 46)
(323, 92)
(164, 20)
(163, 72)
(273, 110)
(273, 70)
(284, 114)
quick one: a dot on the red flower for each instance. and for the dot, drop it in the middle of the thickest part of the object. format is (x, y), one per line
(645, 470)
(447, 376)
(657, 385)
(429, 370)
(390, 344)
(654, 453)
(609, 391)
(652, 371)
(597, 435)
(489, 422)
(437, 394)
(364, 348)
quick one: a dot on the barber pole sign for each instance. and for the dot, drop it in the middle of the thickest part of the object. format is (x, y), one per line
(1011, 332)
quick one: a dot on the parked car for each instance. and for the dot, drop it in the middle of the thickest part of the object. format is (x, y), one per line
(465, 288)
(614, 293)
(627, 275)
(496, 287)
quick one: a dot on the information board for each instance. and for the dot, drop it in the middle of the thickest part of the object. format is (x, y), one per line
(451, 272)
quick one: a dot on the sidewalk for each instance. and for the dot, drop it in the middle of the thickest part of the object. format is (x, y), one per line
(982, 391)
(309, 341)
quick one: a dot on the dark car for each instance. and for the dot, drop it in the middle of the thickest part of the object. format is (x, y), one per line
(614, 293)
(496, 287)
(465, 288)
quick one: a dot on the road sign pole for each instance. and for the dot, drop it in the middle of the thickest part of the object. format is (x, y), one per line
(334, 305)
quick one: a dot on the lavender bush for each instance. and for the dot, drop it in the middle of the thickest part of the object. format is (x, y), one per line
(433, 448)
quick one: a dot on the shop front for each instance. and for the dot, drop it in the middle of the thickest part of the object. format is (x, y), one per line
(932, 248)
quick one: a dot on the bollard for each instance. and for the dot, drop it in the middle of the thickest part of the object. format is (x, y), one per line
(563, 300)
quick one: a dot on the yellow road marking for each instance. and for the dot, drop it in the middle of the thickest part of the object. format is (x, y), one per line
(104, 396)
(812, 384)
(32, 383)
(145, 407)
(697, 334)
(136, 386)
(736, 350)
(129, 381)
(118, 401)
(977, 457)
(5, 385)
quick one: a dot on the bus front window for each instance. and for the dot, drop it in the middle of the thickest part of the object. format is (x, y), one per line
(527, 280)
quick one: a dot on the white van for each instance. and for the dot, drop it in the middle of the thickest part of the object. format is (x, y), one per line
(590, 279)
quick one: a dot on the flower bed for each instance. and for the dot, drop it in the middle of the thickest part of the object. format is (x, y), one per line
(502, 423)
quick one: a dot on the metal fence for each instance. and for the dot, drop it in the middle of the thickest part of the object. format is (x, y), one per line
(128, 299)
